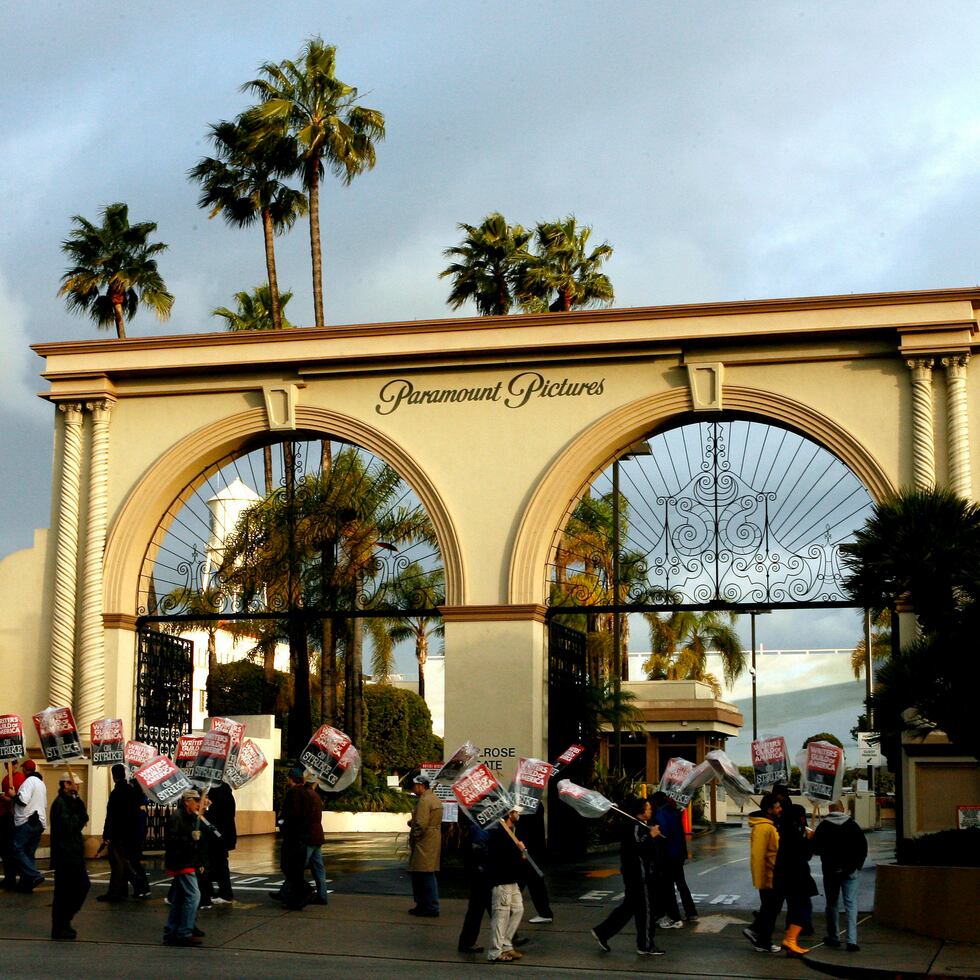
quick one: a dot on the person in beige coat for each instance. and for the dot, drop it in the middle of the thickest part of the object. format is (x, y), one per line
(425, 840)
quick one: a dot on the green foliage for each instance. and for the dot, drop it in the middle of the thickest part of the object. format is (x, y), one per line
(254, 311)
(240, 688)
(399, 730)
(824, 737)
(946, 849)
(373, 796)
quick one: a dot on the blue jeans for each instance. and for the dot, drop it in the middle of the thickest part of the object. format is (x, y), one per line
(837, 888)
(425, 891)
(26, 838)
(314, 861)
(185, 897)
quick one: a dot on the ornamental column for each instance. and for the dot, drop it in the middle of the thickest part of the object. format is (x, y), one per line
(91, 681)
(957, 428)
(923, 438)
(62, 667)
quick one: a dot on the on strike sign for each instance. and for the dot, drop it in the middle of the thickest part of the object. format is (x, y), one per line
(58, 734)
(107, 742)
(482, 798)
(212, 759)
(770, 760)
(326, 755)
(136, 755)
(530, 783)
(162, 781)
(188, 747)
(11, 737)
(823, 772)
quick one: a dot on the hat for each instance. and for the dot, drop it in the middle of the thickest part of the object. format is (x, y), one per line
(67, 777)
(29, 765)
(421, 780)
(190, 794)
(298, 773)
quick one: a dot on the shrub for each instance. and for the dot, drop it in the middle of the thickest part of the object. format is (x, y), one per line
(398, 733)
(946, 849)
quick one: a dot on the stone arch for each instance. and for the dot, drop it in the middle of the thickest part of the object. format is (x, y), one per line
(139, 516)
(598, 445)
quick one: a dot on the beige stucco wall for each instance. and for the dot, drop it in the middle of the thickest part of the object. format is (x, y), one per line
(496, 480)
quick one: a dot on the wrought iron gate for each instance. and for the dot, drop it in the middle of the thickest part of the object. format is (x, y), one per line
(567, 686)
(164, 674)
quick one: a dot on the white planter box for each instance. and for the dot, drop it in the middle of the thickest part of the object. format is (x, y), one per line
(340, 822)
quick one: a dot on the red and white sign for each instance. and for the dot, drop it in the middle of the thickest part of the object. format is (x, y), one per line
(675, 774)
(251, 761)
(58, 734)
(569, 756)
(107, 742)
(138, 754)
(11, 737)
(212, 759)
(482, 798)
(327, 755)
(162, 781)
(823, 772)
(770, 760)
(530, 783)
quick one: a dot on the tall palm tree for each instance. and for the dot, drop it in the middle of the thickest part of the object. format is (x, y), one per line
(243, 184)
(490, 258)
(680, 643)
(413, 587)
(305, 99)
(563, 275)
(114, 269)
(881, 645)
(254, 311)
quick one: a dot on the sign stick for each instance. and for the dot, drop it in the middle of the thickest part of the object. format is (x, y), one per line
(629, 816)
(513, 837)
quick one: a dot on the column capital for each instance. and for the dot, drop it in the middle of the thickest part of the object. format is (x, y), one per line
(921, 368)
(956, 364)
(100, 409)
(72, 412)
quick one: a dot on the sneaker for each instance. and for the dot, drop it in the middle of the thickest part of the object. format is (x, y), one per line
(853, 948)
(198, 933)
(643, 952)
(831, 941)
(63, 934)
(519, 940)
(469, 949)
(222, 901)
(541, 919)
(146, 894)
(667, 923)
(655, 951)
(603, 945)
(773, 948)
(751, 936)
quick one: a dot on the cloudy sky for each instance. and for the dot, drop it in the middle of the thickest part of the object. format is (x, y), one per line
(726, 151)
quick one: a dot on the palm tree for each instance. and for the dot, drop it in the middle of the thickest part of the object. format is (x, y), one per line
(306, 100)
(490, 262)
(242, 183)
(413, 587)
(562, 275)
(680, 643)
(114, 269)
(254, 311)
(881, 645)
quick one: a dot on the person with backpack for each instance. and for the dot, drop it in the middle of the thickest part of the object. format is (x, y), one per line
(842, 848)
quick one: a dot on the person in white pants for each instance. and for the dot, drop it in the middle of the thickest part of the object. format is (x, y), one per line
(505, 857)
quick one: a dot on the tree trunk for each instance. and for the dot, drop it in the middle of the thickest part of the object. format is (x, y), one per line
(120, 322)
(267, 467)
(422, 654)
(270, 268)
(328, 639)
(357, 657)
(300, 720)
(212, 664)
(313, 182)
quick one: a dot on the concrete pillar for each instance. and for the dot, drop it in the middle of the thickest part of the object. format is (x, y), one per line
(62, 667)
(923, 439)
(496, 684)
(91, 662)
(957, 428)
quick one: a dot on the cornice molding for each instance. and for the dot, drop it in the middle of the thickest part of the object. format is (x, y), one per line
(497, 613)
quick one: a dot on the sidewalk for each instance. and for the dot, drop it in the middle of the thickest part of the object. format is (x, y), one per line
(372, 935)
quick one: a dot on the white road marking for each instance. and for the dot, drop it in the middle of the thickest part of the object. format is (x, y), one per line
(725, 865)
(724, 900)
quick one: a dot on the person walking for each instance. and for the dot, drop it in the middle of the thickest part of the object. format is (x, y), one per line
(295, 818)
(843, 849)
(792, 878)
(637, 861)
(71, 882)
(476, 866)
(221, 815)
(506, 856)
(181, 861)
(763, 848)
(314, 846)
(671, 869)
(530, 830)
(425, 841)
(120, 833)
(11, 783)
(30, 821)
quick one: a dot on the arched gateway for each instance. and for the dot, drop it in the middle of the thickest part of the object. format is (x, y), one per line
(497, 425)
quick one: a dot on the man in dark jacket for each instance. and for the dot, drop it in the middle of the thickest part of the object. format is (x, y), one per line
(121, 833)
(842, 847)
(221, 816)
(294, 821)
(475, 865)
(314, 846)
(505, 864)
(637, 863)
(71, 884)
(671, 870)
(181, 861)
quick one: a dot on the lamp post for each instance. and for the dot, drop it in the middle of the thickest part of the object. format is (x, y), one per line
(754, 673)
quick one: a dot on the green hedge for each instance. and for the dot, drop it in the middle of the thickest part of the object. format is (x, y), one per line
(946, 849)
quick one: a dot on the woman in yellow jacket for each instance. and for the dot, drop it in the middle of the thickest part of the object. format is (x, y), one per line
(764, 845)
